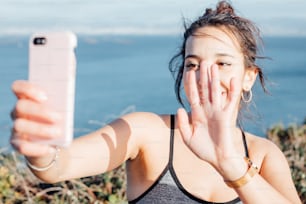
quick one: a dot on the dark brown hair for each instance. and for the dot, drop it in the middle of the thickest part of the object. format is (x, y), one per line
(223, 17)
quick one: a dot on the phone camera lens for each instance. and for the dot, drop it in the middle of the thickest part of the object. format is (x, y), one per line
(39, 41)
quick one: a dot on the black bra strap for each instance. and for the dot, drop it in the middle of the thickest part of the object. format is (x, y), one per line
(172, 127)
(246, 150)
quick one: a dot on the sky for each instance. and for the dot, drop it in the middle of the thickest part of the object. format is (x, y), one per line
(273, 17)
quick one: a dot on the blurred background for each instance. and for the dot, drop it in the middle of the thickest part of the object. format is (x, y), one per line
(286, 17)
(124, 48)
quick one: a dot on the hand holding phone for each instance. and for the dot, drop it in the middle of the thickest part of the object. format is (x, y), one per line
(52, 67)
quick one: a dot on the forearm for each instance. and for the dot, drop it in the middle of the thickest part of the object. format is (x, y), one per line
(251, 186)
(86, 156)
(258, 190)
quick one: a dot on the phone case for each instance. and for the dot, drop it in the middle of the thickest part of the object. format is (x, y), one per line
(52, 66)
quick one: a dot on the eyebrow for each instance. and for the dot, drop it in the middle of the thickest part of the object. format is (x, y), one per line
(218, 55)
(193, 56)
(224, 55)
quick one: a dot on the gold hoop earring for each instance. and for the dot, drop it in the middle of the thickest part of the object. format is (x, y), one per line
(247, 96)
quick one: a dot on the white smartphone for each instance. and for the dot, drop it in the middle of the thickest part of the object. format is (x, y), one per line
(52, 66)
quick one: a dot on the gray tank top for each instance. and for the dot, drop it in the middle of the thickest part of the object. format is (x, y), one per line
(167, 189)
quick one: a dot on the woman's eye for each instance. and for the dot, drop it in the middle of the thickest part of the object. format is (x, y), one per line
(224, 64)
(192, 66)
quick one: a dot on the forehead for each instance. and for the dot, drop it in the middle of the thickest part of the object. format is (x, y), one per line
(212, 39)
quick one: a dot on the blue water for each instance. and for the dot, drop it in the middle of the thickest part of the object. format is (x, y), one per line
(120, 74)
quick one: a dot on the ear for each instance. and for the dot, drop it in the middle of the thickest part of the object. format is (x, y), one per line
(249, 78)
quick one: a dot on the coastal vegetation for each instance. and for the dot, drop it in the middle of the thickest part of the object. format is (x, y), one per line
(18, 185)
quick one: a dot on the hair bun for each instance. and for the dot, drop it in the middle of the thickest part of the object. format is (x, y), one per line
(208, 11)
(224, 7)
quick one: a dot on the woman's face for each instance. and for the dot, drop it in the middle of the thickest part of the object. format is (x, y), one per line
(210, 46)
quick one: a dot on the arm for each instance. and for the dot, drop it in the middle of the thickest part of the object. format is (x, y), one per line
(94, 153)
(273, 184)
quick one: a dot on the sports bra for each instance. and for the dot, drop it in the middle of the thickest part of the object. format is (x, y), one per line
(167, 189)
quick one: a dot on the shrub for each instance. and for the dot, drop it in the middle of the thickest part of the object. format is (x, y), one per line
(292, 141)
(18, 185)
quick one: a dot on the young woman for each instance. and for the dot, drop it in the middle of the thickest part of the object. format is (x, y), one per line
(198, 157)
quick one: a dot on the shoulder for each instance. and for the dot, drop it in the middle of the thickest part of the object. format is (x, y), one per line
(145, 126)
(150, 135)
(146, 120)
(145, 115)
(260, 144)
(265, 153)
(273, 166)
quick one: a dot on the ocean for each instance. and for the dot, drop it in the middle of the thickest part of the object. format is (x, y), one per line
(120, 74)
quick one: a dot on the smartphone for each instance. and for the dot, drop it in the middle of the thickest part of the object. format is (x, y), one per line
(52, 66)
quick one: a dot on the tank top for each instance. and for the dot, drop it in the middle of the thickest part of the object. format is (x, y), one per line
(167, 189)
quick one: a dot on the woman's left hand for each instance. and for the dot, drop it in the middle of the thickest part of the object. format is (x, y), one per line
(212, 126)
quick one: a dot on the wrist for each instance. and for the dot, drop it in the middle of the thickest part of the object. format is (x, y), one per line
(252, 171)
(232, 168)
(45, 163)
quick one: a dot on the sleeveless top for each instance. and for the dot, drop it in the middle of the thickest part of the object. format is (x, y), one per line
(167, 189)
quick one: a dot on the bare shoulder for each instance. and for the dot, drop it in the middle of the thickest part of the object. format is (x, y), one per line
(270, 159)
(147, 125)
(261, 148)
(273, 165)
(146, 120)
(143, 116)
(261, 144)
(150, 135)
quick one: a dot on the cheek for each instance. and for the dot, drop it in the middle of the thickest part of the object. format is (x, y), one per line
(225, 79)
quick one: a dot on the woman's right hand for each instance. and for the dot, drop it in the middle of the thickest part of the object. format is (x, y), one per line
(33, 120)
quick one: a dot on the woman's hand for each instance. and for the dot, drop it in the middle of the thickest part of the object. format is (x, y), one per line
(33, 121)
(212, 126)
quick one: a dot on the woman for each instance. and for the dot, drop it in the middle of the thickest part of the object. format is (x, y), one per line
(196, 157)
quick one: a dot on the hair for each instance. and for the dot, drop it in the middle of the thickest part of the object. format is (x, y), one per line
(224, 18)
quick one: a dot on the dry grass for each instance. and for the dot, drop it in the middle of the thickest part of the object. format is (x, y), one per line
(18, 185)
(292, 141)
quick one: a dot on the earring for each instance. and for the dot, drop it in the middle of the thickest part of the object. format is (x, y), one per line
(248, 94)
